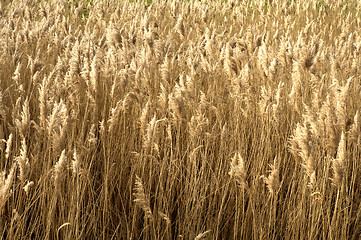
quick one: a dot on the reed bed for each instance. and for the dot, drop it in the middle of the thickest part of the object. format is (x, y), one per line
(180, 119)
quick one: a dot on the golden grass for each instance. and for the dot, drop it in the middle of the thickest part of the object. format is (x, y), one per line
(180, 120)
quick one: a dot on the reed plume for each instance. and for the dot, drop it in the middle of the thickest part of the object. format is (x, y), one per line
(238, 170)
(141, 199)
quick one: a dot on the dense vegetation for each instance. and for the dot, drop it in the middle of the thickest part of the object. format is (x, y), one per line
(180, 119)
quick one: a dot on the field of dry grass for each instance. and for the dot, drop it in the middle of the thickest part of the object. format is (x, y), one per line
(180, 120)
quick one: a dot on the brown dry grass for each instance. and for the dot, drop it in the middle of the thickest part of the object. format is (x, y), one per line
(180, 120)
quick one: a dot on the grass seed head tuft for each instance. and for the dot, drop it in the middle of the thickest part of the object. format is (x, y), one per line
(141, 199)
(238, 170)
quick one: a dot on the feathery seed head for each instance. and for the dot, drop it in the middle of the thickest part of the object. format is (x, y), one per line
(238, 170)
(141, 199)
